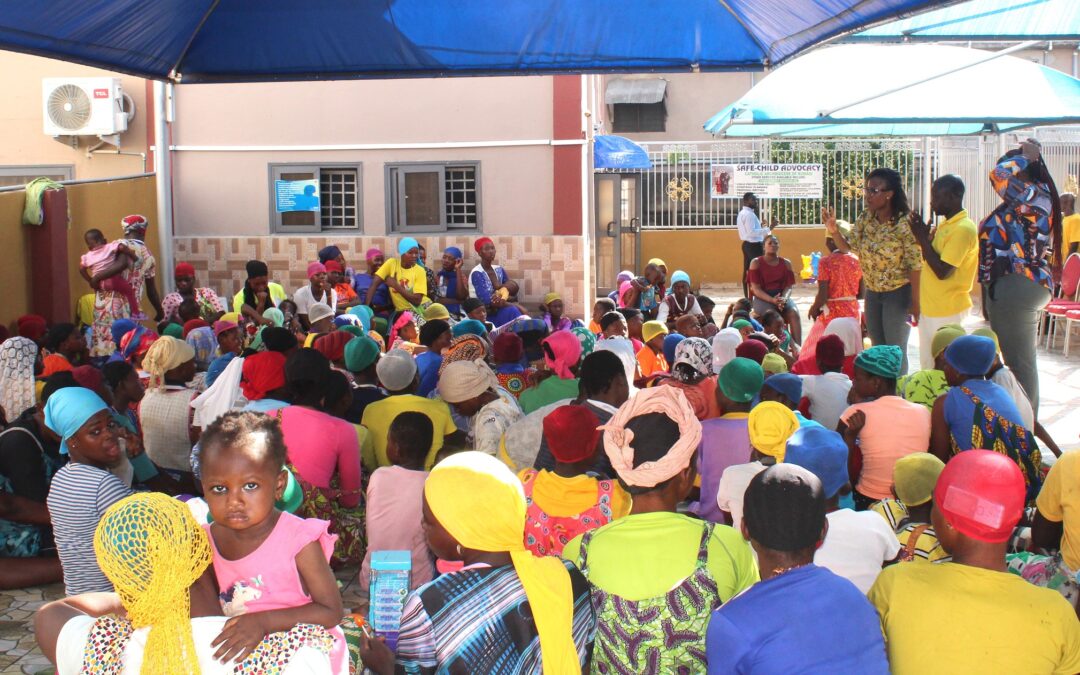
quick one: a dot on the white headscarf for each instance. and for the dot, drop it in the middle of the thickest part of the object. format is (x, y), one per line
(624, 349)
(17, 357)
(848, 330)
(723, 347)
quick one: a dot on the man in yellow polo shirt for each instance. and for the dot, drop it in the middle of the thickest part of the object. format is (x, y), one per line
(1070, 224)
(951, 259)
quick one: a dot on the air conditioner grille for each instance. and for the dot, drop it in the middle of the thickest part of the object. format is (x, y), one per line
(69, 107)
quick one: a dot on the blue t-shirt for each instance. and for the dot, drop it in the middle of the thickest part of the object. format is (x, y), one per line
(807, 620)
(960, 409)
(361, 284)
(428, 365)
(448, 287)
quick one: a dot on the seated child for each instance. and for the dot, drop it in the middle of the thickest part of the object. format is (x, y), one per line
(101, 256)
(507, 352)
(914, 477)
(570, 500)
(651, 357)
(769, 424)
(395, 495)
(602, 307)
(405, 335)
(271, 568)
(474, 309)
(552, 312)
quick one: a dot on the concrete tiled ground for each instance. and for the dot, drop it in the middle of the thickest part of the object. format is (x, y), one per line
(1059, 413)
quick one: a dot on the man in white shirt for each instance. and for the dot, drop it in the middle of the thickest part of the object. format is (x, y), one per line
(752, 233)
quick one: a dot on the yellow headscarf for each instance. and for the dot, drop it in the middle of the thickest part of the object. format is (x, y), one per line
(152, 550)
(481, 503)
(771, 425)
(165, 354)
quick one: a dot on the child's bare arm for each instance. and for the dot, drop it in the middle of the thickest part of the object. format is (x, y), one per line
(243, 633)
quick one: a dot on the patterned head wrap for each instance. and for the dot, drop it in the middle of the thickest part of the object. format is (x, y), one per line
(137, 342)
(586, 338)
(881, 360)
(618, 439)
(17, 357)
(152, 550)
(770, 425)
(696, 354)
(463, 348)
(134, 225)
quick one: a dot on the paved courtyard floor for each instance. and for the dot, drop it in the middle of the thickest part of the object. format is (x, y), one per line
(1059, 412)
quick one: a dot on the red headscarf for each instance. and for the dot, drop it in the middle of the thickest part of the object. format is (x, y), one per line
(31, 326)
(90, 378)
(508, 348)
(192, 325)
(754, 350)
(332, 345)
(572, 433)
(184, 270)
(479, 243)
(261, 374)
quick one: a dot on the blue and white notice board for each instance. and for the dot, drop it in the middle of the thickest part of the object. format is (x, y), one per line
(296, 195)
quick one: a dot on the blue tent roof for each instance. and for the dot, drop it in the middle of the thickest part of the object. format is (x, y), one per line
(826, 89)
(247, 40)
(984, 20)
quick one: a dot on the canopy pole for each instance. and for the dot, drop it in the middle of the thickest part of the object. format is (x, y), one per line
(928, 179)
(989, 57)
(163, 185)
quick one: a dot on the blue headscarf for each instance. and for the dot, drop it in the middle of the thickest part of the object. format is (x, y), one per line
(364, 313)
(671, 341)
(407, 244)
(469, 327)
(120, 328)
(68, 409)
(454, 251)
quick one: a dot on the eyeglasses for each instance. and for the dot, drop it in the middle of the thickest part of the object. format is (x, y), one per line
(873, 191)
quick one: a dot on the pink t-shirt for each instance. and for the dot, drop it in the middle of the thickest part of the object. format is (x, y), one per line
(100, 258)
(267, 578)
(320, 445)
(894, 428)
(395, 497)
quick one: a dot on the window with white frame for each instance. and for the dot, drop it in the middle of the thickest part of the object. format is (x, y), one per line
(21, 175)
(340, 198)
(433, 196)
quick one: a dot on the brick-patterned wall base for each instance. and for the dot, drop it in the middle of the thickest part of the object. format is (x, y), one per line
(538, 263)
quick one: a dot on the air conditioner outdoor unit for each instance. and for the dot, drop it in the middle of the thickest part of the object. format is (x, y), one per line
(85, 106)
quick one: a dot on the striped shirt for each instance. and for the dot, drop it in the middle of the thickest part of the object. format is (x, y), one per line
(477, 620)
(77, 500)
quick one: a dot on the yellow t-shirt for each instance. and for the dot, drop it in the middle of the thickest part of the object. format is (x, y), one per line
(957, 242)
(1059, 501)
(277, 294)
(379, 415)
(953, 618)
(1070, 228)
(413, 279)
(563, 497)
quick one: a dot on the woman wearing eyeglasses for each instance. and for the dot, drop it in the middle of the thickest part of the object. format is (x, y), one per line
(889, 257)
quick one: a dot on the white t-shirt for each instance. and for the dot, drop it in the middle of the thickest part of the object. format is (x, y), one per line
(1004, 378)
(72, 641)
(857, 543)
(749, 225)
(733, 484)
(828, 397)
(662, 313)
(304, 299)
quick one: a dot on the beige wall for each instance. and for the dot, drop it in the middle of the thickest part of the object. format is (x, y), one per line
(227, 193)
(24, 140)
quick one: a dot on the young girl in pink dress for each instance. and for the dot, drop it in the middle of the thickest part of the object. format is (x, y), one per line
(271, 567)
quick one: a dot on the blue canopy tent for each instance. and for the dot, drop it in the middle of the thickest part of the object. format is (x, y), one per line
(939, 90)
(251, 40)
(618, 152)
(983, 21)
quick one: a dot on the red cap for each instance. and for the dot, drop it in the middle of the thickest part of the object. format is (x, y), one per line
(755, 350)
(572, 434)
(184, 270)
(333, 266)
(981, 495)
(830, 351)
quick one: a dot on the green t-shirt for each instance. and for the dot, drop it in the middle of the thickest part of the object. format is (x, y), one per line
(646, 555)
(549, 391)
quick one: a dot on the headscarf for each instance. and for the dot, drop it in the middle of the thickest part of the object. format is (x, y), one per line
(364, 313)
(372, 253)
(90, 378)
(564, 354)
(133, 225)
(678, 276)
(651, 329)
(723, 347)
(190, 326)
(17, 357)
(184, 269)
(479, 243)
(275, 315)
(360, 353)
(753, 350)
(618, 439)
(406, 244)
(624, 276)
(463, 380)
(137, 342)
(174, 330)
(262, 373)
(332, 345)
(343, 320)
(882, 360)
(404, 319)
(551, 297)
(481, 503)
(223, 326)
(454, 251)
(830, 351)
(463, 348)
(315, 268)
(436, 310)
(849, 330)
(695, 353)
(944, 336)
(740, 380)
(981, 494)
(54, 363)
(32, 326)
(328, 253)
(572, 432)
(165, 354)
(770, 425)
(152, 550)
(68, 409)
(657, 261)
(914, 477)
(256, 268)
(120, 328)
(469, 327)
(624, 349)
(508, 348)
(586, 338)
(971, 355)
(774, 363)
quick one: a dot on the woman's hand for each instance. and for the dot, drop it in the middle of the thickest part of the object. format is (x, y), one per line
(239, 638)
(828, 218)
(376, 655)
(855, 424)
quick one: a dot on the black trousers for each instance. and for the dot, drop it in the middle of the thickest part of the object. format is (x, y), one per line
(750, 250)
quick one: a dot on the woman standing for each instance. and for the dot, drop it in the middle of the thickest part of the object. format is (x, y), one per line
(1013, 243)
(210, 306)
(492, 285)
(889, 257)
(111, 305)
(771, 280)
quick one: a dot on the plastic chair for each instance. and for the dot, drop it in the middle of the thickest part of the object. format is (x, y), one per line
(1068, 300)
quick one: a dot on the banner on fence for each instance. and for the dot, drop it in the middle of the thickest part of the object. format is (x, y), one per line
(776, 181)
